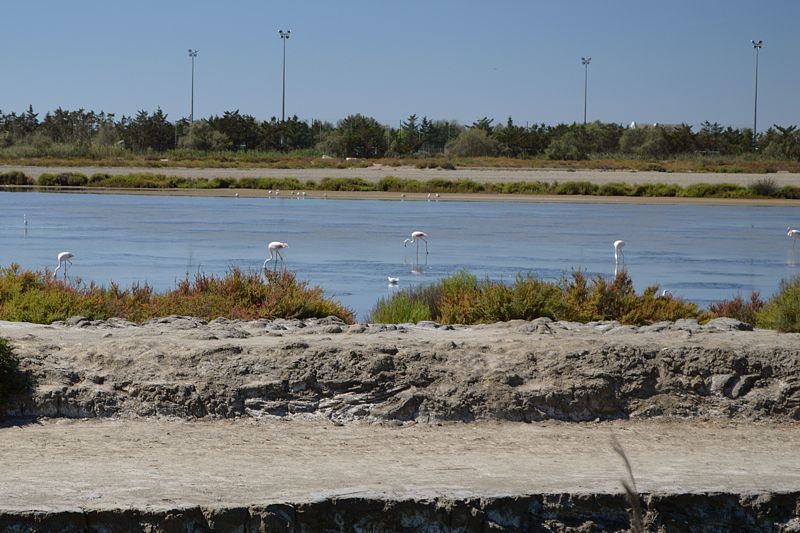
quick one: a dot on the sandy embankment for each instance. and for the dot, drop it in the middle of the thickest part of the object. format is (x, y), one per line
(313, 424)
(484, 175)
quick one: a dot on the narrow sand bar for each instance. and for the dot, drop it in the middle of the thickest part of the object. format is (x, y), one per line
(377, 172)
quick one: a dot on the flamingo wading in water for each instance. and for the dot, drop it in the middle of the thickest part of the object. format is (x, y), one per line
(618, 255)
(417, 236)
(275, 248)
(64, 258)
(793, 234)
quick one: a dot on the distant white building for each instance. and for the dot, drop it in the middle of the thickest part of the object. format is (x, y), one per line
(643, 126)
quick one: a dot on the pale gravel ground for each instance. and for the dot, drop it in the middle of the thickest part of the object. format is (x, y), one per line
(161, 464)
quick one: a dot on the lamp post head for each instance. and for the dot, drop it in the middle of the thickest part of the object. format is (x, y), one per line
(757, 44)
(284, 34)
(586, 60)
(192, 53)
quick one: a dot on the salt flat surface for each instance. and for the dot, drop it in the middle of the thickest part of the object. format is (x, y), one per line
(159, 463)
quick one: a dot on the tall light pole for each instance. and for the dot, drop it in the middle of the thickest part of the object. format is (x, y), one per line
(756, 46)
(192, 54)
(585, 62)
(284, 36)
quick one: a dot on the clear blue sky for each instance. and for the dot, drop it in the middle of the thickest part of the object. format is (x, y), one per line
(652, 61)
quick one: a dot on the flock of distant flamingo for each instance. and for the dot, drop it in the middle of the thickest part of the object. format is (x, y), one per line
(274, 248)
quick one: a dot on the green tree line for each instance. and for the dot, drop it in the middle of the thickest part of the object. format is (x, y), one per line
(74, 132)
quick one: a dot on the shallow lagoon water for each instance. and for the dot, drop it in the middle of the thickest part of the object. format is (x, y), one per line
(349, 247)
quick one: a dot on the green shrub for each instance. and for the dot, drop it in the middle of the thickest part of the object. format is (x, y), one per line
(286, 184)
(738, 308)
(716, 190)
(473, 142)
(9, 373)
(789, 192)
(576, 187)
(657, 189)
(400, 308)
(345, 184)
(464, 185)
(15, 177)
(782, 311)
(571, 146)
(68, 179)
(463, 299)
(138, 181)
(27, 296)
(616, 189)
(764, 187)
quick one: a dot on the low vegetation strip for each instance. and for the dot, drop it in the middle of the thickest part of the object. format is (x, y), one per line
(761, 188)
(463, 299)
(38, 297)
(27, 296)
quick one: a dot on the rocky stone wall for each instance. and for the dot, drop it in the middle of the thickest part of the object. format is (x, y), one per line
(516, 371)
(715, 512)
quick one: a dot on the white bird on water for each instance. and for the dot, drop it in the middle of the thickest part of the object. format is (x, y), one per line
(793, 234)
(618, 255)
(393, 281)
(275, 248)
(64, 258)
(417, 236)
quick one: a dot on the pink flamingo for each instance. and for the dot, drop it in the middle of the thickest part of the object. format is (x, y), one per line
(64, 258)
(417, 236)
(275, 248)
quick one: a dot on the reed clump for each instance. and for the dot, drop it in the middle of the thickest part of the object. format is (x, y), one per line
(27, 296)
(464, 299)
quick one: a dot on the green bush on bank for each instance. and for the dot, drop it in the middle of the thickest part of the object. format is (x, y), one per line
(63, 179)
(27, 296)
(782, 311)
(463, 299)
(15, 177)
(9, 374)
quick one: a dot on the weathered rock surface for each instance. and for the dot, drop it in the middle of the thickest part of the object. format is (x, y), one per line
(718, 512)
(519, 371)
